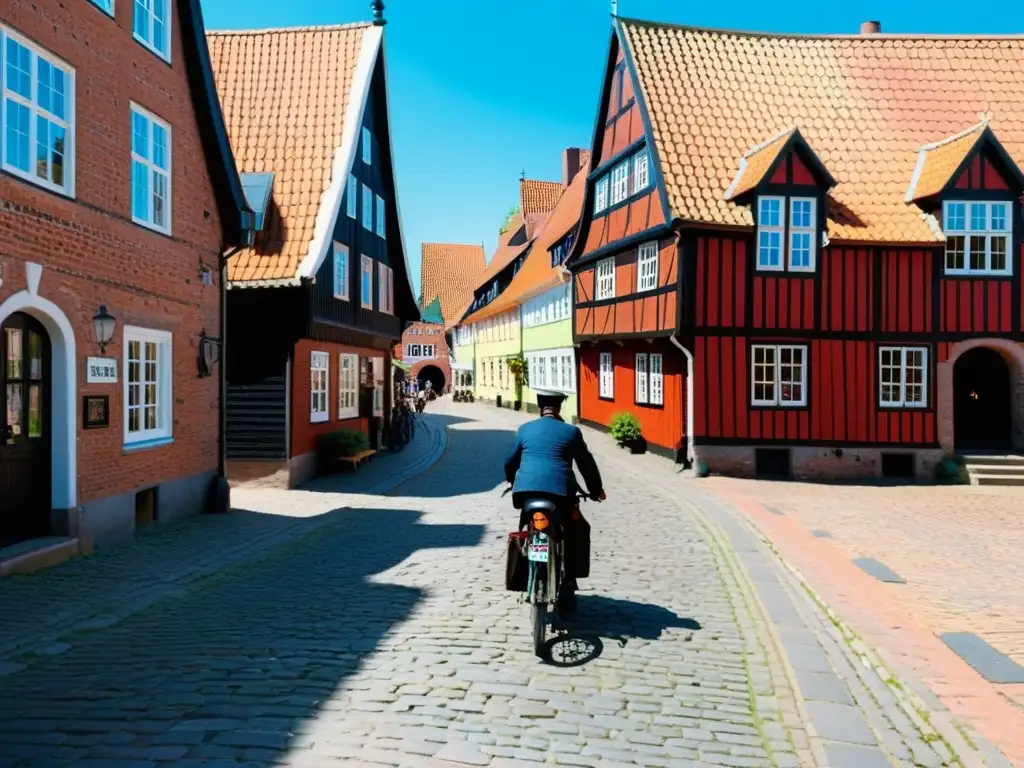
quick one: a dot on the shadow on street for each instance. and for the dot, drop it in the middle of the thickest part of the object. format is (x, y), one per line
(235, 665)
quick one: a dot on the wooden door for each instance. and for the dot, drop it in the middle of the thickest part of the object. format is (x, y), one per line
(24, 429)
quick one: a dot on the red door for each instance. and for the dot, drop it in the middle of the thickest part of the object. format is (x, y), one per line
(24, 429)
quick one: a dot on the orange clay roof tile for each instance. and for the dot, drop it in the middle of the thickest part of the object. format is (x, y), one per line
(937, 162)
(756, 163)
(284, 94)
(865, 103)
(451, 273)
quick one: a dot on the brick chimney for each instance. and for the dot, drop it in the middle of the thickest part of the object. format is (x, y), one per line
(571, 158)
(870, 27)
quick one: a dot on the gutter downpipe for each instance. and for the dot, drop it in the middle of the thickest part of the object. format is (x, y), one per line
(222, 495)
(689, 398)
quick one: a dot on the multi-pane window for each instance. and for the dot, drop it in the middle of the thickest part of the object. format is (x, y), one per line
(657, 385)
(106, 5)
(147, 384)
(367, 146)
(348, 386)
(385, 292)
(641, 377)
(977, 237)
(340, 272)
(319, 368)
(779, 375)
(620, 182)
(606, 278)
(601, 195)
(770, 230)
(647, 267)
(606, 376)
(37, 115)
(903, 377)
(552, 369)
(366, 283)
(351, 196)
(151, 170)
(367, 208)
(152, 26)
(380, 215)
(802, 226)
(641, 171)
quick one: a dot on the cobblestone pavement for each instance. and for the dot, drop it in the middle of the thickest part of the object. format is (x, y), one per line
(376, 633)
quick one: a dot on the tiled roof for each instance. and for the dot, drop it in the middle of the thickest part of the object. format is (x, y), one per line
(285, 93)
(506, 251)
(866, 104)
(451, 273)
(937, 162)
(537, 274)
(756, 163)
(538, 196)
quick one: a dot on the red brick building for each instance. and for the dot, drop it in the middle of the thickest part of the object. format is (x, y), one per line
(801, 255)
(316, 304)
(117, 189)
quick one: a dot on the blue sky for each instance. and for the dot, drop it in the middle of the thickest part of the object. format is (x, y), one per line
(482, 90)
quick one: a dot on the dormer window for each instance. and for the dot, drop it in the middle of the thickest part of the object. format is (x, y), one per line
(772, 224)
(977, 238)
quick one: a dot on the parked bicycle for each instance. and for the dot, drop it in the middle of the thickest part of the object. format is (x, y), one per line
(403, 426)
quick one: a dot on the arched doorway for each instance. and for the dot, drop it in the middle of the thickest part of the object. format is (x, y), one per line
(434, 375)
(25, 431)
(982, 419)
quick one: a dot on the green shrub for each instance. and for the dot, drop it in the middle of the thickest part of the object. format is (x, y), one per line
(950, 471)
(625, 427)
(343, 442)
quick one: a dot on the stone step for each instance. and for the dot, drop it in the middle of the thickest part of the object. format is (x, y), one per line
(1006, 460)
(995, 469)
(978, 478)
(36, 554)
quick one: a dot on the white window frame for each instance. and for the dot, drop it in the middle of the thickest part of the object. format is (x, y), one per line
(656, 377)
(35, 111)
(348, 386)
(367, 144)
(620, 181)
(164, 382)
(107, 6)
(147, 7)
(367, 208)
(779, 229)
(341, 271)
(900, 368)
(606, 375)
(382, 286)
(138, 109)
(604, 278)
(776, 382)
(352, 196)
(319, 386)
(380, 217)
(988, 233)
(810, 231)
(640, 372)
(647, 267)
(601, 194)
(641, 170)
(366, 296)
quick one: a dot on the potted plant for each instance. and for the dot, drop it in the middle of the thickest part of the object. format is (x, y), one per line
(339, 444)
(518, 368)
(625, 428)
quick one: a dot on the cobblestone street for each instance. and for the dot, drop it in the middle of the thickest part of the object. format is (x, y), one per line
(364, 622)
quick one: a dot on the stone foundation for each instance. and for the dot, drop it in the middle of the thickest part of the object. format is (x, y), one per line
(818, 463)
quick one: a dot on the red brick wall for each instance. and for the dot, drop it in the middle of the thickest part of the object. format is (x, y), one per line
(304, 432)
(93, 254)
(428, 333)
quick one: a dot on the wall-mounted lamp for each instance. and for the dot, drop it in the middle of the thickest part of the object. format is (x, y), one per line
(209, 353)
(103, 328)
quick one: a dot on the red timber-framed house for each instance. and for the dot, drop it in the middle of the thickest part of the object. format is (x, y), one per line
(801, 255)
(317, 303)
(448, 274)
(118, 194)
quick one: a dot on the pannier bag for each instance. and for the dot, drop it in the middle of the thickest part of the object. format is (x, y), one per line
(516, 566)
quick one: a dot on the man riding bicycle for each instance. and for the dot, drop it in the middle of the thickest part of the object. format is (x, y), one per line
(541, 466)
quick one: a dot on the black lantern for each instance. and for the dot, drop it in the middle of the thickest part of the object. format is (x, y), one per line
(103, 327)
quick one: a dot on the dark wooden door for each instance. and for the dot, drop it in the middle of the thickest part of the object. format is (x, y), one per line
(24, 429)
(981, 401)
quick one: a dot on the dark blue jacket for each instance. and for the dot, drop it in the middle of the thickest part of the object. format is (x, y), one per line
(542, 459)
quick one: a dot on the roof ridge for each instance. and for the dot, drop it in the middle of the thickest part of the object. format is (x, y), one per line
(460, 245)
(308, 28)
(768, 142)
(880, 36)
(955, 137)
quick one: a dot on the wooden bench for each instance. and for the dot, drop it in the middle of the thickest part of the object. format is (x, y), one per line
(356, 461)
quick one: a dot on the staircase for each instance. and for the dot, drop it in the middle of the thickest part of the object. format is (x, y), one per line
(995, 469)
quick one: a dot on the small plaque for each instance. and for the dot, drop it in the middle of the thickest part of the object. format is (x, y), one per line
(95, 411)
(101, 370)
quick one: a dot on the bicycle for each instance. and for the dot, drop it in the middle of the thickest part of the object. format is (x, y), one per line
(403, 427)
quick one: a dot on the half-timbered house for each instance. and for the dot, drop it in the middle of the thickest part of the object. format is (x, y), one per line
(317, 303)
(801, 254)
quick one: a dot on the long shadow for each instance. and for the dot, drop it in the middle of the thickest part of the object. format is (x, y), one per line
(232, 668)
(600, 618)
